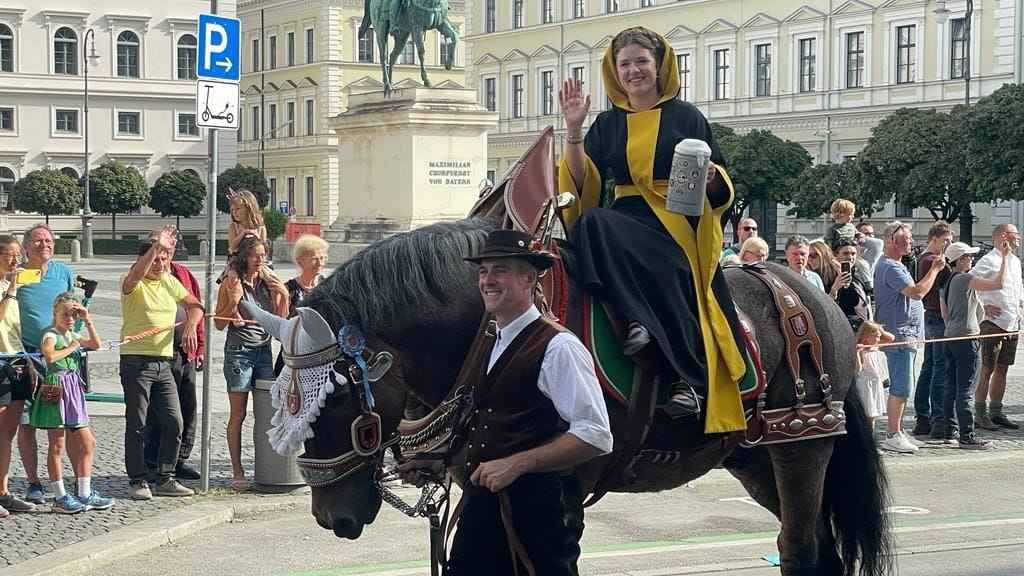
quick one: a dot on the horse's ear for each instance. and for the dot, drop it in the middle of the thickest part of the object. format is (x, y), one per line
(274, 325)
(316, 327)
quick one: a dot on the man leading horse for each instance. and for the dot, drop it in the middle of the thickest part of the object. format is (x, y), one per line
(537, 377)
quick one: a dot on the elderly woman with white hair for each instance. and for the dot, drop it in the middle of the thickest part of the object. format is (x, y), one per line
(310, 255)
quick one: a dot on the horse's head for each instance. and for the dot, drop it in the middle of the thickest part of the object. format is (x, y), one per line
(344, 424)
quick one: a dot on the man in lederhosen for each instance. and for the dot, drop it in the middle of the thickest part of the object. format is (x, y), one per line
(538, 411)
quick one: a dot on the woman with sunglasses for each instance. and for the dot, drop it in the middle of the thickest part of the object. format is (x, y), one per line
(15, 378)
(310, 255)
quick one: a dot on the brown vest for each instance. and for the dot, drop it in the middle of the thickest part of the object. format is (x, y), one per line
(510, 414)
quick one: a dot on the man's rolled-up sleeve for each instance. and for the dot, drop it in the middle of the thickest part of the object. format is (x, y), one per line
(567, 377)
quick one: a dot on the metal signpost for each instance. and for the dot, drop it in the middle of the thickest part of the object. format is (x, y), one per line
(216, 107)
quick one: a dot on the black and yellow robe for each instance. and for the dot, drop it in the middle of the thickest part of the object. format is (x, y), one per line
(657, 267)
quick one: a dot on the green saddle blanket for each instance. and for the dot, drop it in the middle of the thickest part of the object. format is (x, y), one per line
(618, 374)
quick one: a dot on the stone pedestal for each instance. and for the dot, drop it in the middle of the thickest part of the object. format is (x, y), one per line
(409, 160)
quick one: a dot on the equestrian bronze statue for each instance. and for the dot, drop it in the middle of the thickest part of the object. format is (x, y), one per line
(402, 20)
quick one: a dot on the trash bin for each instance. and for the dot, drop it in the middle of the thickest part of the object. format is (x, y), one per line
(272, 472)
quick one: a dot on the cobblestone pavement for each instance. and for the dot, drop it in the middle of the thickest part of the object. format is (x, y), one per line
(28, 535)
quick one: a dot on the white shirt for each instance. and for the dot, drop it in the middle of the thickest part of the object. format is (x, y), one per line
(567, 378)
(1010, 297)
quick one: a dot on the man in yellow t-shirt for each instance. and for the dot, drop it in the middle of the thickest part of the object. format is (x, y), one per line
(150, 297)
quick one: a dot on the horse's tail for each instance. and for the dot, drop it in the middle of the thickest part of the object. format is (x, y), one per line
(856, 496)
(365, 24)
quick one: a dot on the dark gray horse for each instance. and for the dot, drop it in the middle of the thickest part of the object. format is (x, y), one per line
(414, 296)
(414, 18)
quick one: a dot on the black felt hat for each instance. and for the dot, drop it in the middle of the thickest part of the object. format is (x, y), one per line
(514, 244)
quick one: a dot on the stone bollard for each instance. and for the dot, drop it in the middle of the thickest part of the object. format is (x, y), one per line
(76, 251)
(204, 248)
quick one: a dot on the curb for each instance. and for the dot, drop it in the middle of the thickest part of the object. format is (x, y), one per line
(88, 556)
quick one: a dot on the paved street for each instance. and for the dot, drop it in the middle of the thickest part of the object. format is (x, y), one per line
(618, 538)
(946, 525)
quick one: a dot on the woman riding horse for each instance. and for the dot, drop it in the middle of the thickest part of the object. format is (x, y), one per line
(659, 270)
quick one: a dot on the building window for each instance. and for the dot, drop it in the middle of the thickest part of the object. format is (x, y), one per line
(289, 48)
(310, 118)
(289, 120)
(489, 12)
(256, 56)
(517, 96)
(683, 64)
(187, 125)
(646, 3)
(256, 123)
(65, 52)
(309, 196)
(807, 65)
(272, 184)
(272, 120)
(490, 94)
(128, 55)
(67, 121)
(365, 53)
(309, 45)
(547, 92)
(578, 74)
(6, 119)
(855, 60)
(722, 74)
(291, 192)
(6, 186)
(548, 11)
(517, 13)
(958, 49)
(128, 123)
(763, 69)
(611, 6)
(6, 49)
(578, 8)
(272, 49)
(408, 53)
(187, 57)
(902, 210)
(906, 54)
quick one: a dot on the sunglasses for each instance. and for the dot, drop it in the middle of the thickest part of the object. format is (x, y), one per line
(897, 231)
(748, 228)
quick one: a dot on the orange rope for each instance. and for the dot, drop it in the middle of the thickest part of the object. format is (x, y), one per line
(934, 340)
(158, 330)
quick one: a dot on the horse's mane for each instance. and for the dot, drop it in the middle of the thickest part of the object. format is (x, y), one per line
(407, 278)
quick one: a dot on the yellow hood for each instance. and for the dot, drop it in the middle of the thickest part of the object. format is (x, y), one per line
(668, 78)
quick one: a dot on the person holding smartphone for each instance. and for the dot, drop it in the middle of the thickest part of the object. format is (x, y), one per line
(848, 290)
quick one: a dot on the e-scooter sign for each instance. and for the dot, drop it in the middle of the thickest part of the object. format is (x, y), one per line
(217, 104)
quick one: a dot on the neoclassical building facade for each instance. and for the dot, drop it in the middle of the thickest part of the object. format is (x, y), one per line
(819, 72)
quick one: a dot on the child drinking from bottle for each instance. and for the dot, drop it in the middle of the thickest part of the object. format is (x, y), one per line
(59, 406)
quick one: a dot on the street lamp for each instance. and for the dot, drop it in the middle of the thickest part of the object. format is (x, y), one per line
(941, 17)
(89, 58)
(266, 135)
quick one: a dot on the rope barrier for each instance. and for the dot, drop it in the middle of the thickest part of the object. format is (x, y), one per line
(110, 345)
(943, 339)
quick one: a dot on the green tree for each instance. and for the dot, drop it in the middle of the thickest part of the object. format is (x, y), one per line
(178, 193)
(918, 155)
(237, 178)
(275, 222)
(819, 185)
(762, 166)
(46, 192)
(116, 188)
(994, 145)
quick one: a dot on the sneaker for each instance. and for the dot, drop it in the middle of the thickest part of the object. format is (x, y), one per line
(923, 426)
(140, 491)
(186, 472)
(171, 487)
(951, 436)
(14, 504)
(96, 502)
(35, 493)
(67, 504)
(3, 512)
(1000, 420)
(897, 442)
(984, 422)
(938, 429)
(913, 441)
(972, 443)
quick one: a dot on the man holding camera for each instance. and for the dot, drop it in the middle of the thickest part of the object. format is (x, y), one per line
(848, 289)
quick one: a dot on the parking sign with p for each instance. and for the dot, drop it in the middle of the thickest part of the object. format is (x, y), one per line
(220, 47)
